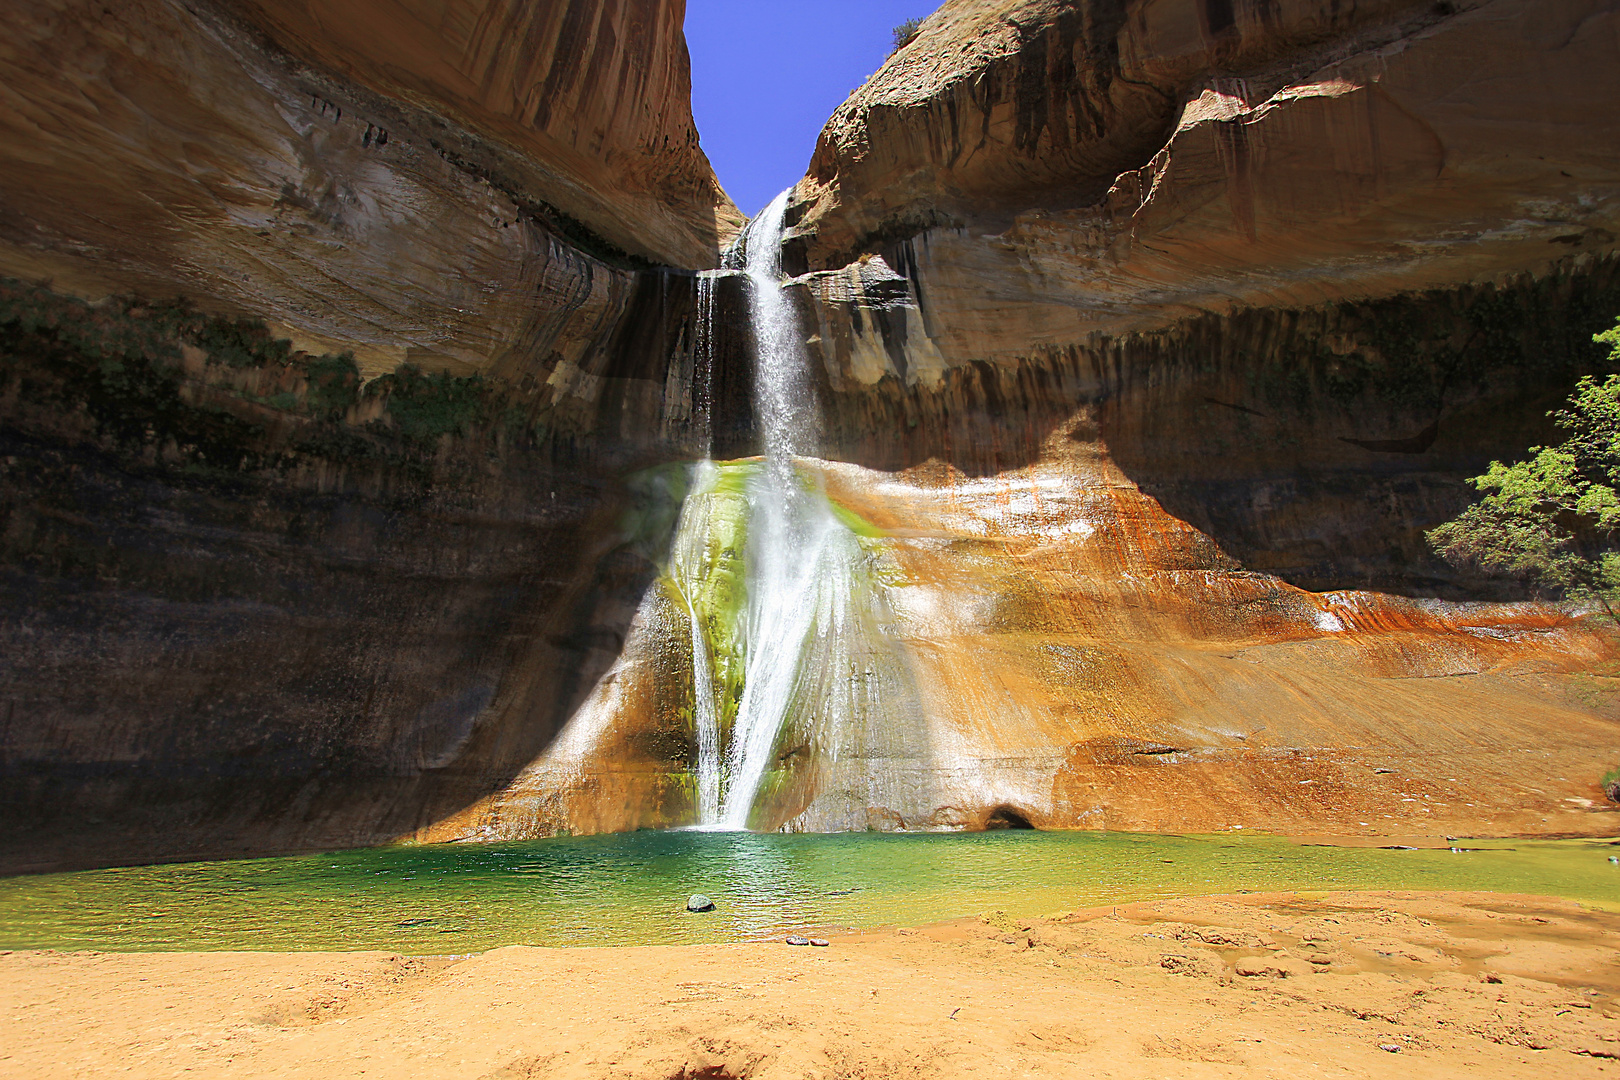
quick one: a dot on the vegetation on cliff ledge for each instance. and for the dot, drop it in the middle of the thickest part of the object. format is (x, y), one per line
(163, 384)
(425, 407)
(904, 34)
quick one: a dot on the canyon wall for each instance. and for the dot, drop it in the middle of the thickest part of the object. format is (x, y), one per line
(1150, 336)
(581, 106)
(337, 341)
(444, 218)
(1285, 273)
(1262, 283)
(1295, 251)
(1108, 166)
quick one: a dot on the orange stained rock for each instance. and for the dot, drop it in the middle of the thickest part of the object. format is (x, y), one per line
(1072, 652)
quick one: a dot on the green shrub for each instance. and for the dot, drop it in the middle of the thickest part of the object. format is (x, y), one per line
(904, 33)
(117, 360)
(334, 384)
(424, 407)
(237, 343)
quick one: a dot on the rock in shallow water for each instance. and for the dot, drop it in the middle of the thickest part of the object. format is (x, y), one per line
(699, 902)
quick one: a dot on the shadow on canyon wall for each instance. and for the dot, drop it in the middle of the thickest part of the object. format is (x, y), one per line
(249, 602)
(1314, 444)
(251, 605)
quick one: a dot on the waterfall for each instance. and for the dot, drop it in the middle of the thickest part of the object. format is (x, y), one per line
(784, 403)
(785, 534)
(770, 577)
(703, 364)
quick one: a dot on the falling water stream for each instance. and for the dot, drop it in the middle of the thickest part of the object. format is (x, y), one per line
(789, 528)
(689, 557)
(792, 629)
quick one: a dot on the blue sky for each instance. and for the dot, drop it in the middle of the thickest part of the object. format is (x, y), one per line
(766, 74)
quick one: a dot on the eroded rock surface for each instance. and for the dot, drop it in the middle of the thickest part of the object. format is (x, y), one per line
(585, 105)
(384, 188)
(1054, 649)
(1043, 171)
(1155, 315)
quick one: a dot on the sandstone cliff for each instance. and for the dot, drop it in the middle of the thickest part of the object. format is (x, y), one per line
(367, 178)
(583, 106)
(335, 542)
(1287, 271)
(1109, 166)
(1229, 207)
(1150, 336)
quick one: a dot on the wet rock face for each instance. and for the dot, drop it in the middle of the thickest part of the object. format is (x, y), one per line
(252, 605)
(1052, 648)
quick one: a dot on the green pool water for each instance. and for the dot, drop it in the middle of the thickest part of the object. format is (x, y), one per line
(631, 889)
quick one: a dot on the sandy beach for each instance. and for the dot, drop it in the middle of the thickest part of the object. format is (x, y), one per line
(1302, 985)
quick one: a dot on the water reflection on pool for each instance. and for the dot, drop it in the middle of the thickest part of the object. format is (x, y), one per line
(631, 889)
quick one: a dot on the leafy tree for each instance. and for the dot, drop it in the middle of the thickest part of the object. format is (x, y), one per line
(1551, 519)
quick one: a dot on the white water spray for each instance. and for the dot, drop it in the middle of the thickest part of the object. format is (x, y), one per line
(787, 535)
(702, 387)
(805, 633)
(688, 566)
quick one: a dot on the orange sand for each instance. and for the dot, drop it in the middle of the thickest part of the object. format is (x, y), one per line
(1345, 984)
